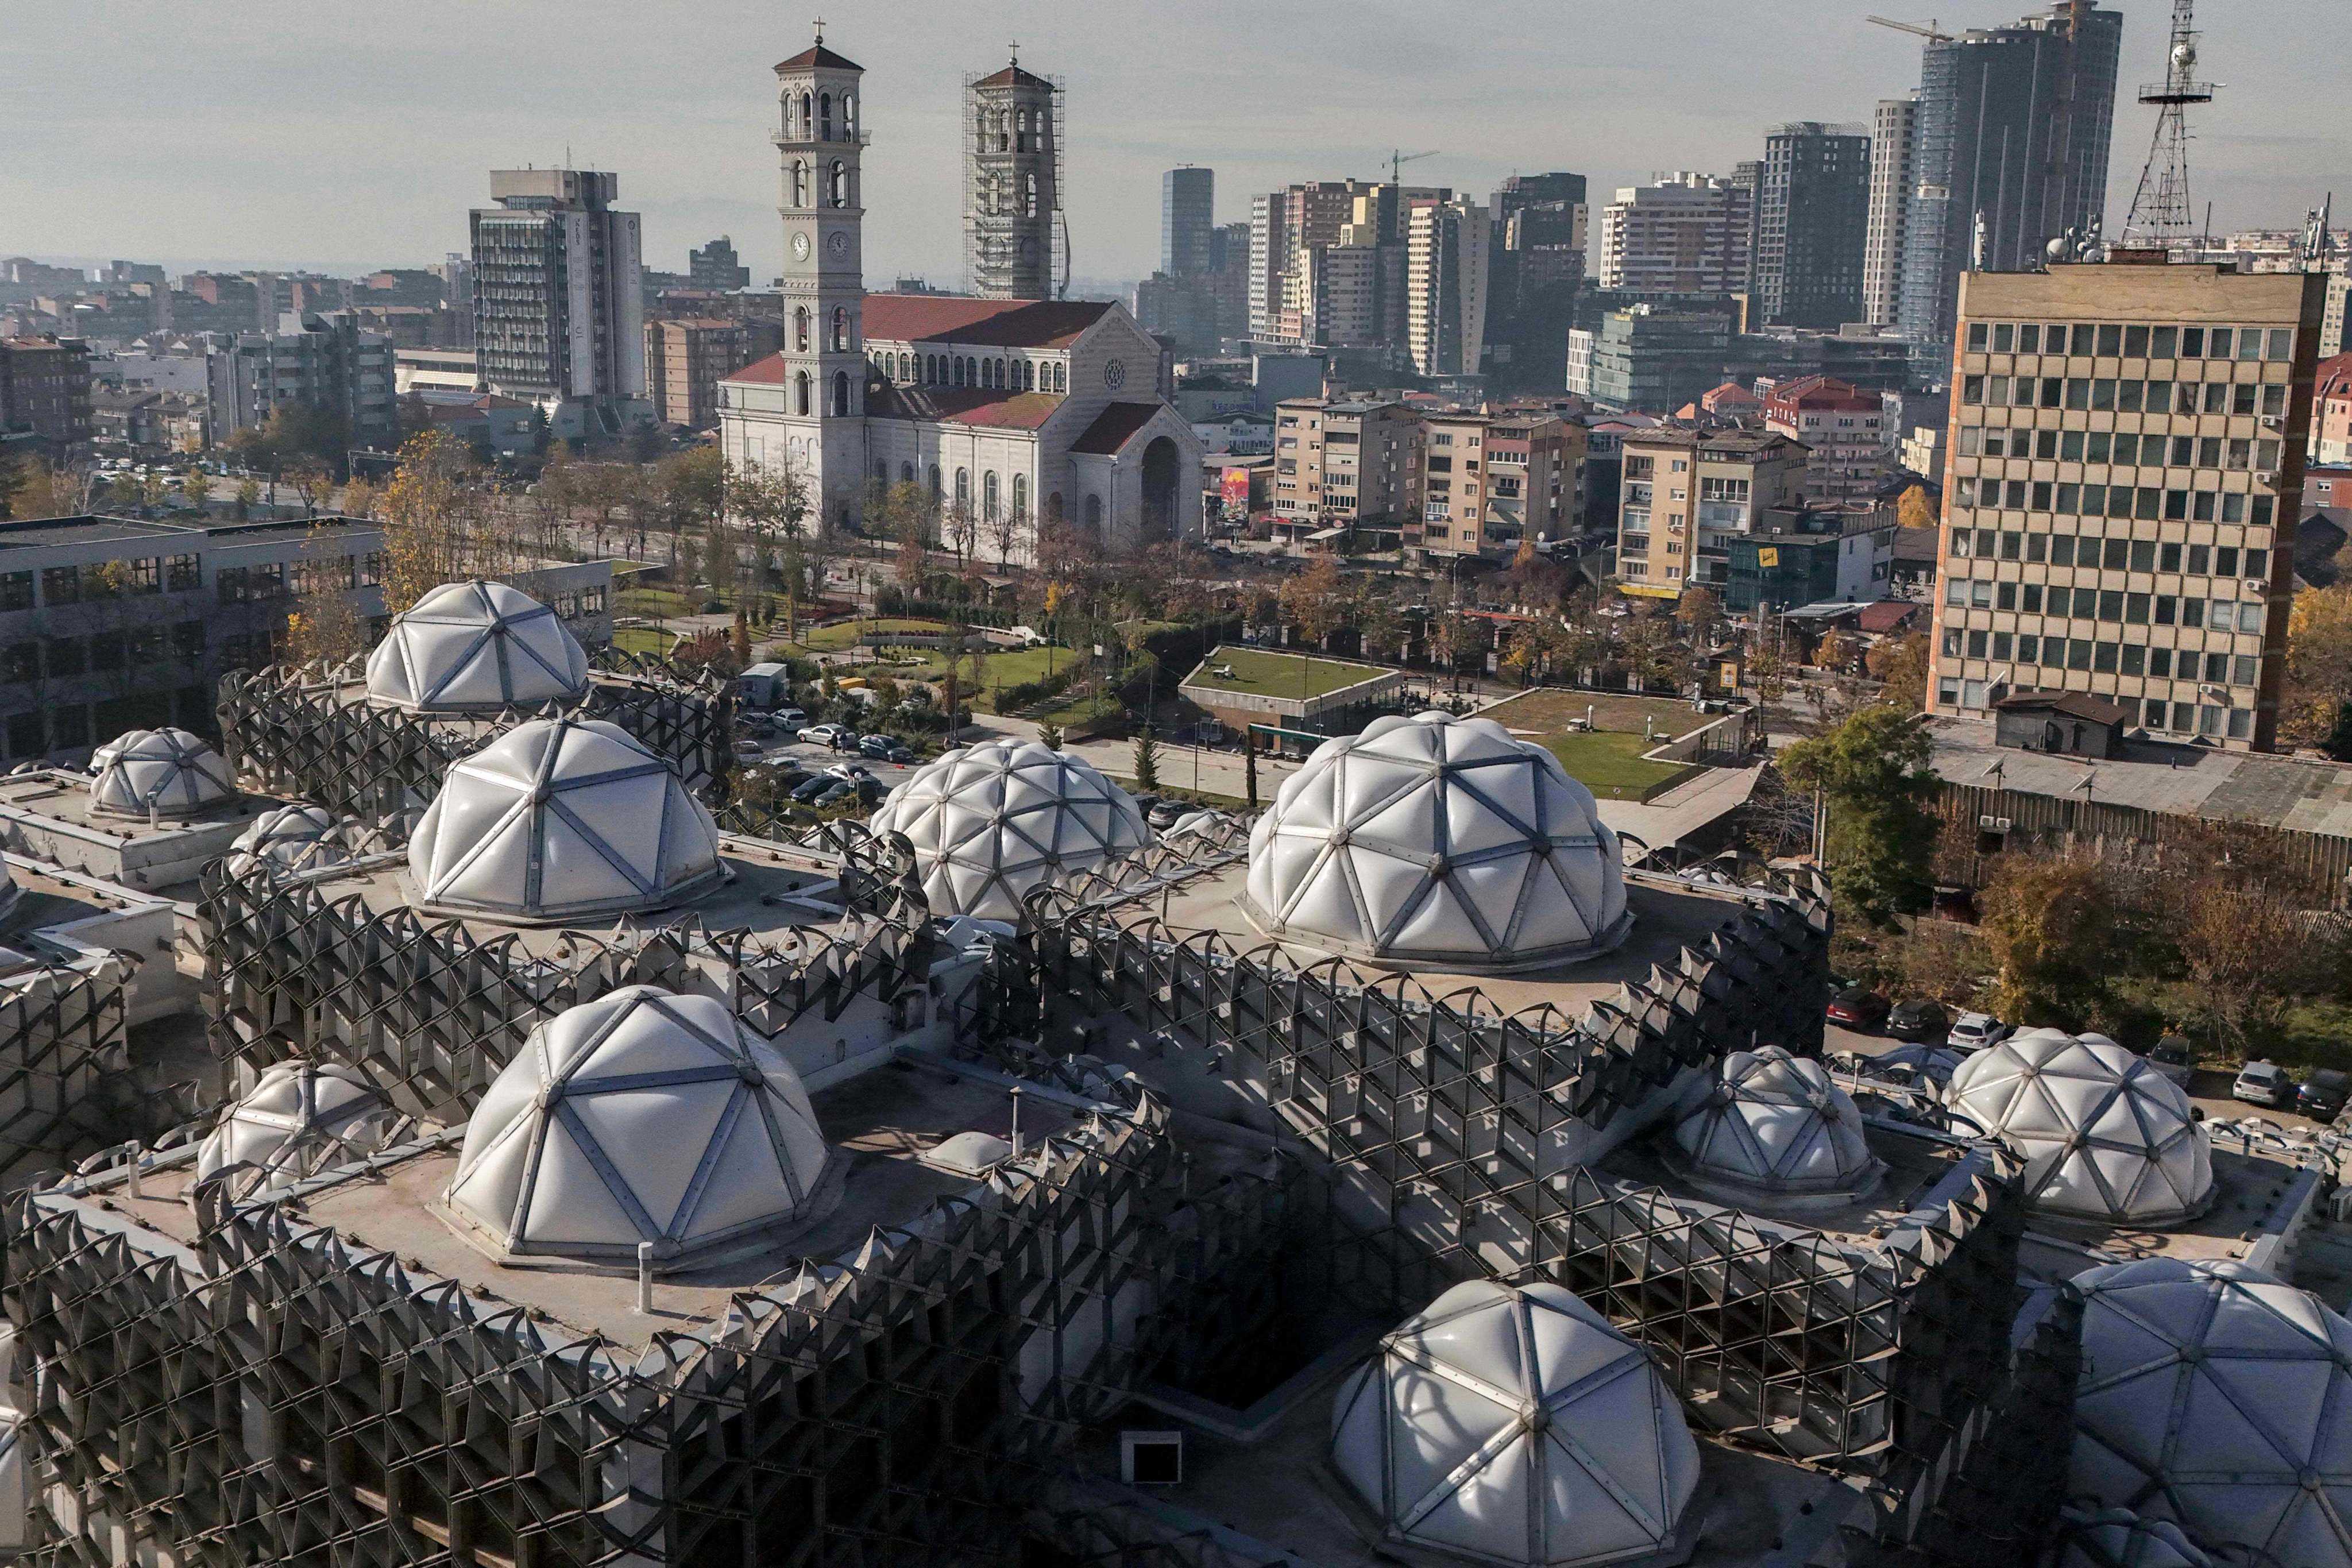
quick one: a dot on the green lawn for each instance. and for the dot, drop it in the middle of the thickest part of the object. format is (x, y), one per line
(644, 640)
(655, 603)
(1264, 673)
(1547, 710)
(845, 634)
(1074, 709)
(1608, 763)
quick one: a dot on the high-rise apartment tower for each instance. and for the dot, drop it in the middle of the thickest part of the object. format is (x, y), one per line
(1813, 218)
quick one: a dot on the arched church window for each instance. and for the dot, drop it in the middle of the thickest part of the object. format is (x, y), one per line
(988, 495)
(801, 393)
(837, 189)
(824, 117)
(1020, 496)
(1093, 511)
(963, 487)
(906, 473)
(841, 394)
(840, 328)
(801, 329)
(1061, 377)
(1029, 195)
(800, 182)
(848, 115)
(935, 484)
(959, 373)
(808, 117)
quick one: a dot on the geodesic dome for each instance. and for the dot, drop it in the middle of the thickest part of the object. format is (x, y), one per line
(289, 839)
(2104, 1135)
(1437, 841)
(474, 648)
(1514, 1425)
(2214, 1396)
(2118, 1538)
(301, 1118)
(561, 819)
(168, 772)
(641, 1116)
(991, 822)
(1775, 1126)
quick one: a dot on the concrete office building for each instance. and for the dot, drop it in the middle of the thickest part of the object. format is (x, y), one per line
(1535, 268)
(1894, 136)
(559, 318)
(45, 394)
(327, 360)
(1013, 183)
(1489, 482)
(2013, 124)
(715, 266)
(2123, 479)
(1682, 234)
(1684, 495)
(1813, 218)
(1656, 360)
(1445, 286)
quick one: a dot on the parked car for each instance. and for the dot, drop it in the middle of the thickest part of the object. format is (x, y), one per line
(839, 792)
(849, 773)
(2323, 1094)
(2175, 1059)
(900, 756)
(1163, 815)
(806, 792)
(886, 749)
(1923, 1022)
(870, 791)
(826, 735)
(790, 720)
(1977, 1031)
(1858, 1008)
(747, 747)
(2263, 1083)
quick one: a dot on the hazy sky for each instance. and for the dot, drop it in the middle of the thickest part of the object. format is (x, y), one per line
(333, 135)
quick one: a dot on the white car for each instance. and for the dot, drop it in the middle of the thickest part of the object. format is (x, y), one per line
(2173, 1058)
(824, 734)
(788, 719)
(2263, 1083)
(1977, 1032)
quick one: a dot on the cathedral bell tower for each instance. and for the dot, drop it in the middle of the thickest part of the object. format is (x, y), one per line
(822, 137)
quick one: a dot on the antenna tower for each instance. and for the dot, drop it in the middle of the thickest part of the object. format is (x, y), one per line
(2159, 209)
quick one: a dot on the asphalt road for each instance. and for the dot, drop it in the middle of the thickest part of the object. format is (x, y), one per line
(2208, 1090)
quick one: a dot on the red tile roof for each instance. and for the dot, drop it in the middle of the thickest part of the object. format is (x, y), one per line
(768, 371)
(988, 323)
(2334, 376)
(1113, 427)
(984, 407)
(1013, 76)
(818, 57)
(1885, 616)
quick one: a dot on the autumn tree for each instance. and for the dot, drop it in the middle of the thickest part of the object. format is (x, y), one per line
(2319, 669)
(1914, 510)
(324, 625)
(2051, 929)
(437, 525)
(1872, 777)
(1312, 600)
(1697, 611)
(1901, 668)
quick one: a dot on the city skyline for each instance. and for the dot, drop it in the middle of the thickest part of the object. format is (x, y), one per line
(318, 156)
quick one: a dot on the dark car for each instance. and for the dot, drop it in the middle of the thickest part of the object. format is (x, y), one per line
(1858, 1008)
(878, 747)
(1923, 1022)
(838, 794)
(808, 789)
(2323, 1094)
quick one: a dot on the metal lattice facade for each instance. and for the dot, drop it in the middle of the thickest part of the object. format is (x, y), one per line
(274, 1395)
(309, 732)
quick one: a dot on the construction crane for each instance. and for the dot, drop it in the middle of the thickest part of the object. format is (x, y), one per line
(1931, 32)
(1399, 159)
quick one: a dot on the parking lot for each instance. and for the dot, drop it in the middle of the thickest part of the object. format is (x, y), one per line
(775, 751)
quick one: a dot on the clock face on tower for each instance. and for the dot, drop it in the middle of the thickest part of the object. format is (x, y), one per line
(839, 244)
(800, 247)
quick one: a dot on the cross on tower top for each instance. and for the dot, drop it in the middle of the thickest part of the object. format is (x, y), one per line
(1015, 48)
(820, 29)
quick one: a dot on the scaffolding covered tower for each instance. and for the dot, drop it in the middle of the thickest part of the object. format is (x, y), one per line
(1013, 183)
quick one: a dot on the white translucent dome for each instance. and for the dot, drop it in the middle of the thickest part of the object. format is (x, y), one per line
(2104, 1135)
(471, 647)
(1437, 841)
(1774, 1125)
(2215, 1396)
(2118, 1538)
(302, 1117)
(1514, 1425)
(991, 822)
(641, 1116)
(168, 772)
(561, 819)
(289, 839)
